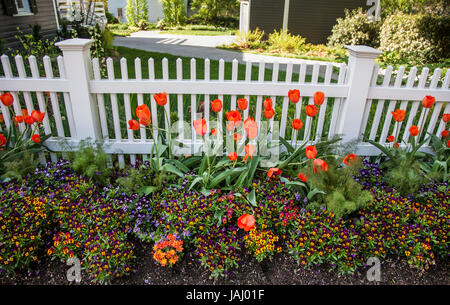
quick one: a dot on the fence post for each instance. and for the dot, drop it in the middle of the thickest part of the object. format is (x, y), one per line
(360, 68)
(76, 54)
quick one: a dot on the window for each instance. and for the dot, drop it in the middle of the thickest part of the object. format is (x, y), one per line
(19, 7)
(119, 13)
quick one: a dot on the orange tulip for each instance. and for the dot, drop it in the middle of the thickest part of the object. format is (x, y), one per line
(18, 119)
(448, 143)
(29, 120)
(242, 104)
(318, 165)
(446, 117)
(237, 136)
(391, 138)
(216, 105)
(7, 99)
(428, 101)
(399, 115)
(268, 103)
(445, 133)
(234, 117)
(396, 145)
(37, 116)
(414, 130)
(2, 140)
(2, 119)
(250, 149)
(251, 127)
(273, 172)
(200, 126)
(214, 132)
(294, 95)
(350, 159)
(269, 113)
(160, 98)
(297, 124)
(230, 126)
(36, 138)
(143, 114)
(310, 152)
(319, 97)
(311, 110)
(133, 124)
(246, 222)
(232, 156)
(302, 177)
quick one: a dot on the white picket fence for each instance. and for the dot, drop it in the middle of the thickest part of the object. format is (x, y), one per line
(82, 104)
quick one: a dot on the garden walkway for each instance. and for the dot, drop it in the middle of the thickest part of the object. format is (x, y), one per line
(198, 46)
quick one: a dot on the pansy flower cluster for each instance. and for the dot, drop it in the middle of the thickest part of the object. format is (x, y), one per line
(262, 243)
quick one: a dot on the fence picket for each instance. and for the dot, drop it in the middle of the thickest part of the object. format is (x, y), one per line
(207, 101)
(323, 108)
(194, 106)
(445, 86)
(153, 107)
(234, 75)
(404, 104)
(54, 98)
(309, 121)
(179, 70)
(127, 104)
(337, 103)
(259, 97)
(165, 70)
(67, 101)
(115, 110)
(284, 111)
(437, 106)
(16, 105)
(369, 101)
(100, 100)
(380, 105)
(140, 96)
(276, 67)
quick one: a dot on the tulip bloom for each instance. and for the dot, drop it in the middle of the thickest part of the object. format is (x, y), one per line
(446, 117)
(29, 120)
(273, 172)
(297, 124)
(269, 113)
(216, 105)
(2, 140)
(391, 138)
(445, 133)
(318, 165)
(214, 132)
(414, 130)
(143, 114)
(232, 156)
(251, 127)
(2, 119)
(350, 159)
(311, 110)
(7, 99)
(399, 115)
(234, 117)
(37, 116)
(294, 95)
(200, 126)
(160, 98)
(246, 222)
(268, 103)
(18, 119)
(428, 101)
(302, 177)
(448, 143)
(237, 136)
(396, 145)
(310, 152)
(242, 104)
(319, 97)
(36, 138)
(133, 124)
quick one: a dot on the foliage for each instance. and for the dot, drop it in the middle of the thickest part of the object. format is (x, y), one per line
(416, 39)
(354, 29)
(110, 18)
(217, 12)
(283, 41)
(438, 168)
(136, 11)
(174, 12)
(391, 7)
(249, 39)
(91, 162)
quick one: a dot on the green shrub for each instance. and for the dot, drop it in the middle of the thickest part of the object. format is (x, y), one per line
(416, 39)
(110, 19)
(92, 162)
(285, 42)
(354, 29)
(174, 12)
(250, 39)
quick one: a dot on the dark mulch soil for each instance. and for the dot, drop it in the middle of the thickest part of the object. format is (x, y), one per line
(282, 270)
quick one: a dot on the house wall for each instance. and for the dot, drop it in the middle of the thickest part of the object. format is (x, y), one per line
(45, 16)
(310, 19)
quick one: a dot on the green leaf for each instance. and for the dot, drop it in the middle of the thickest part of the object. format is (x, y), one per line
(205, 192)
(145, 190)
(252, 198)
(384, 149)
(288, 146)
(252, 169)
(194, 182)
(221, 176)
(313, 193)
(172, 169)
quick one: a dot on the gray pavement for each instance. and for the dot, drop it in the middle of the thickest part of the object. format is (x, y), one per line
(200, 47)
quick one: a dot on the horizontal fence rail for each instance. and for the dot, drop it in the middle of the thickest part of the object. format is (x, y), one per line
(86, 99)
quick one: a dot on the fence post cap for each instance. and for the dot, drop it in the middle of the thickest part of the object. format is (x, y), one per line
(74, 44)
(363, 51)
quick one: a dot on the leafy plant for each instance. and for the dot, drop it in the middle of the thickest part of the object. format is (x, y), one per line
(283, 41)
(249, 39)
(174, 12)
